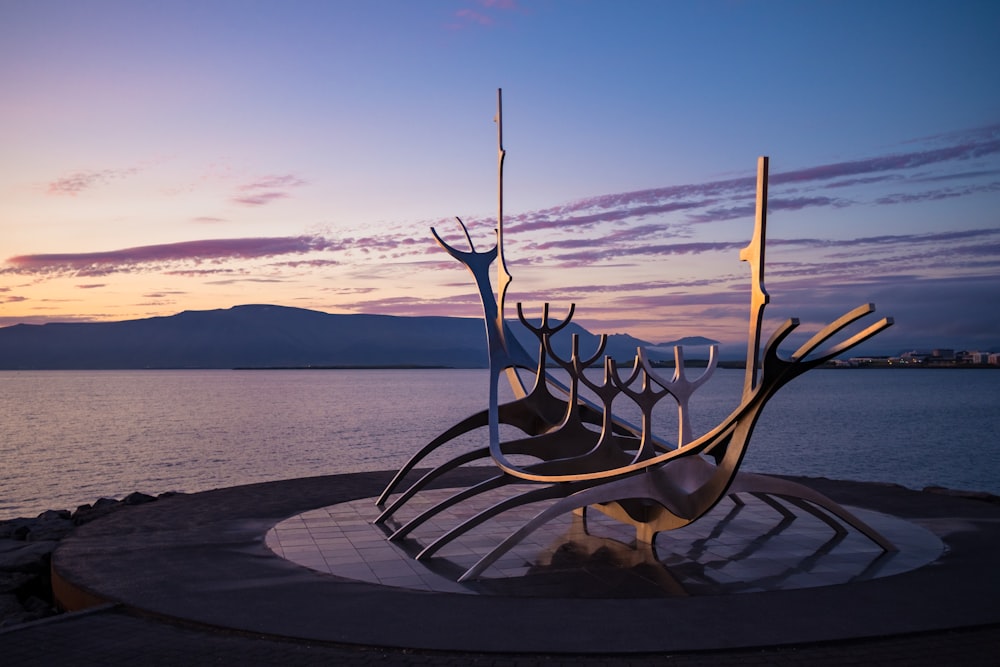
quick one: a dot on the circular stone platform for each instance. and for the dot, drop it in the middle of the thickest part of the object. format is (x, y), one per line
(202, 559)
(745, 547)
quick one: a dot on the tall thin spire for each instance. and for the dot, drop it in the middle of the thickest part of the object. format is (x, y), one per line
(753, 254)
(503, 275)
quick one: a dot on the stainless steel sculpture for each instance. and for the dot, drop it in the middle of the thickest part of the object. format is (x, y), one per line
(623, 470)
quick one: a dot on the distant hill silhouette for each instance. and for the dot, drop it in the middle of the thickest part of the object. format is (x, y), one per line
(689, 341)
(263, 336)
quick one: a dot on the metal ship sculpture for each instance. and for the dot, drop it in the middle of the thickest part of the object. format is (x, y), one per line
(581, 456)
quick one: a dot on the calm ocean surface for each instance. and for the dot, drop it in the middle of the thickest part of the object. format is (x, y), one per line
(72, 437)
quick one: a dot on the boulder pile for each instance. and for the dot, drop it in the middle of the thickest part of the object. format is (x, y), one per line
(26, 547)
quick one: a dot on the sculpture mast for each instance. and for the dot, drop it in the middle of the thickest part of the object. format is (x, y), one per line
(503, 275)
(754, 255)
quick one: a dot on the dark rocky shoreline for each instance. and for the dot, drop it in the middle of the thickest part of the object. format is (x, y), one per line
(26, 546)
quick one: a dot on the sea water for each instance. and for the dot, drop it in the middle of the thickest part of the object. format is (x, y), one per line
(70, 437)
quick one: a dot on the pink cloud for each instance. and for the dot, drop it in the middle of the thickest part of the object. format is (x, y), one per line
(164, 295)
(727, 199)
(981, 242)
(78, 181)
(657, 286)
(266, 190)
(901, 161)
(472, 16)
(483, 16)
(864, 180)
(92, 286)
(237, 281)
(200, 273)
(604, 254)
(349, 290)
(284, 181)
(130, 259)
(627, 235)
(309, 263)
(565, 217)
(937, 195)
(260, 199)
(645, 301)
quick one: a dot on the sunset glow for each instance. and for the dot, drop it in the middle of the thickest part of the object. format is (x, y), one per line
(190, 155)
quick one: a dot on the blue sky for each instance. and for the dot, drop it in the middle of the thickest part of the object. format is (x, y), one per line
(161, 157)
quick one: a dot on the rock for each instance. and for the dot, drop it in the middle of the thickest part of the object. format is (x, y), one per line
(87, 513)
(38, 606)
(10, 605)
(13, 612)
(137, 498)
(50, 525)
(81, 512)
(51, 528)
(26, 547)
(10, 620)
(15, 529)
(10, 582)
(18, 556)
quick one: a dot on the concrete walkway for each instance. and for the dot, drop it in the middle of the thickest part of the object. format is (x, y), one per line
(190, 581)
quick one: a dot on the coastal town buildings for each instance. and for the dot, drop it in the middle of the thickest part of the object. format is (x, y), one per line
(938, 358)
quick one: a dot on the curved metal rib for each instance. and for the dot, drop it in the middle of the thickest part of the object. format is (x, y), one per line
(808, 499)
(534, 495)
(470, 423)
(450, 501)
(572, 499)
(429, 477)
(536, 413)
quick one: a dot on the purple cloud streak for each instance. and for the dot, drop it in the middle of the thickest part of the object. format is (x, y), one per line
(467, 16)
(266, 190)
(75, 183)
(641, 203)
(103, 263)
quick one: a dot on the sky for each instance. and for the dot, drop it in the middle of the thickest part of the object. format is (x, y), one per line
(162, 157)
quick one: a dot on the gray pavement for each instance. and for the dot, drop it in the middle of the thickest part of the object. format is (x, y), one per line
(190, 581)
(113, 637)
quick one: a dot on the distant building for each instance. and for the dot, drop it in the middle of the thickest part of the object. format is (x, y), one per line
(945, 358)
(914, 357)
(858, 362)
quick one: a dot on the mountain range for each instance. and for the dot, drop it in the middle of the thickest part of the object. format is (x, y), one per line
(266, 336)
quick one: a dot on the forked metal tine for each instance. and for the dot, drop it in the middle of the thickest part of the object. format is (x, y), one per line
(831, 329)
